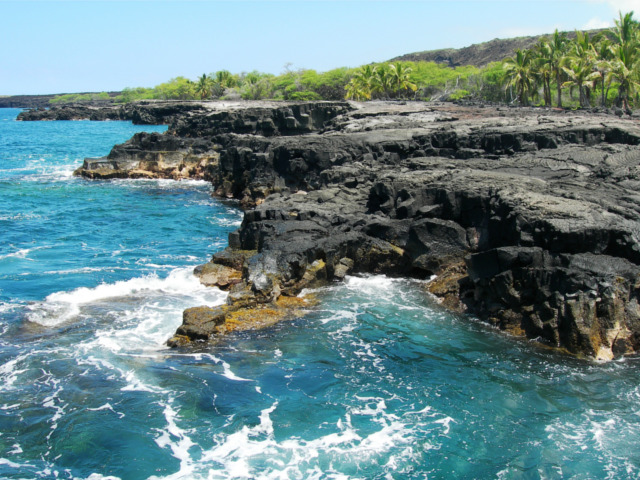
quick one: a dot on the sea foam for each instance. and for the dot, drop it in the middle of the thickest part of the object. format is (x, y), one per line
(63, 306)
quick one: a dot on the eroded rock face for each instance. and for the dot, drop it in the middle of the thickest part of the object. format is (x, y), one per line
(529, 217)
(154, 155)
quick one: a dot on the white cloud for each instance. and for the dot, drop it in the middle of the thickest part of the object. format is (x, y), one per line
(623, 6)
(595, 23)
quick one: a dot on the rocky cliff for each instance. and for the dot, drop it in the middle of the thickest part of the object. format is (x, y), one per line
(146, 112)
(528, 218)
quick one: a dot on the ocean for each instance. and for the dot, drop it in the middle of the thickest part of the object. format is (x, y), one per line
(376, 381)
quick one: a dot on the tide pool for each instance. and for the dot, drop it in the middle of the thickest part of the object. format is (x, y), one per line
(375, 382)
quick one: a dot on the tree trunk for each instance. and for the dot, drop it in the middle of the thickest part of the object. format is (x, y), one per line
(559, 86)
(584, 97)
(546, 89)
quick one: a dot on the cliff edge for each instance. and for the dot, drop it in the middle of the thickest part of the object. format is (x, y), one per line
(528, 218)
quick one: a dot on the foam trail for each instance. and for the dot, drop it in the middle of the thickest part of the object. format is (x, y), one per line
(178, 441)
(22, 253)
(227, 369)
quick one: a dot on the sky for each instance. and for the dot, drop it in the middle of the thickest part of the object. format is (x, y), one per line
(69, 46)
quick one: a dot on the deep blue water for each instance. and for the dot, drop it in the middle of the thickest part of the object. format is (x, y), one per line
(377, 382)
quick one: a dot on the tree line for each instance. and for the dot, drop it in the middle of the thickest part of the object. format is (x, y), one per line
(585, 71)
(605, 68)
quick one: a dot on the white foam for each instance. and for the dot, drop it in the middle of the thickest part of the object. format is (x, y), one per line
(60, 307)
(72, 271)
(22, 253)
(371, 284)
(107, 406)
(19, 216)
(9, 372)
(178, 440)
(10, 464)
(98, 476)
(134, 384)
(227, 369)
(8, 307)
(17, 449)
(601, 432)
(446, 424)
(252, 452)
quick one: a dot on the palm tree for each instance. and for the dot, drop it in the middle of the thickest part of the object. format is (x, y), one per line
(625, 62)
(579, 66)
(625, 30)
(383, 81)
(557, 49)
(542, 68)
(518, 71)
(624, 68)
(400, 79)
(203, 87)
(363, 83)
(603, 54)
(225, 79)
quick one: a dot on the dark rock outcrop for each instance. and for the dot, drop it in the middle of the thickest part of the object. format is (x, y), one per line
(149, 112)
(154, 155)
(26, 101)
(528, 217)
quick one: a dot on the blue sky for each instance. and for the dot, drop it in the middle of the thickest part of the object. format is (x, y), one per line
(92, 45)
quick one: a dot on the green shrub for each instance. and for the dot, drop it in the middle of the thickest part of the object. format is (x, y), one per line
(79, 98)
(459, 94)
(305, 96)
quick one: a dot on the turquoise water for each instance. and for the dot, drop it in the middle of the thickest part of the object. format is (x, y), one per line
(377, 382)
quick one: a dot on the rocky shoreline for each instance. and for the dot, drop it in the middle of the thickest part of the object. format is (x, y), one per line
(528, 218)
(149, 112)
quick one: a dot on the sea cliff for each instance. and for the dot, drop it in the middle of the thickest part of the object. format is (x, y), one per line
(525, 218)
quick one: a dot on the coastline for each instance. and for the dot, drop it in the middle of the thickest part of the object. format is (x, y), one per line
(526, 216)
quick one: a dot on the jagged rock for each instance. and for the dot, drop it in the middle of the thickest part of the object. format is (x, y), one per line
(420, 199)
(207, 324)
(216, 275)
(233, 258)
(344, 266)
(541, 205)
(199, 323)
(153, 155)
(146, 112)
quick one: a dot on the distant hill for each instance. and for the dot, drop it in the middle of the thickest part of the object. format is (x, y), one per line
(479, 54)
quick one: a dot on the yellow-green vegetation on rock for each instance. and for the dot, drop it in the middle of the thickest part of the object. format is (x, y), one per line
(446, 286)
(208, 323)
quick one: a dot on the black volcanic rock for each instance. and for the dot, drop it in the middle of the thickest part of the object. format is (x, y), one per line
(150, 112)
(529, 217)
